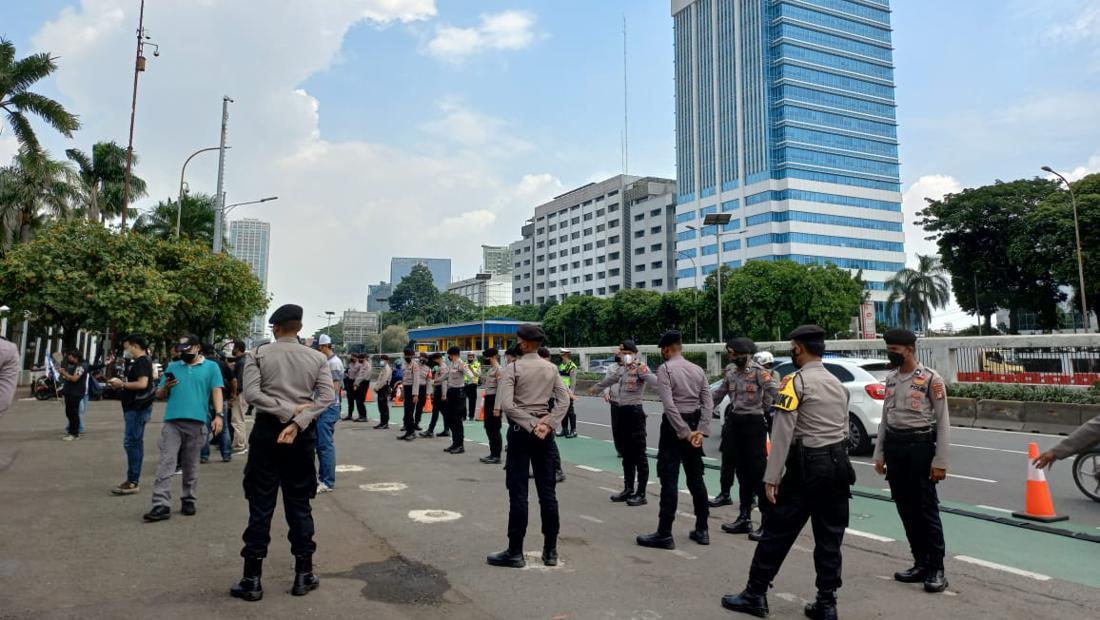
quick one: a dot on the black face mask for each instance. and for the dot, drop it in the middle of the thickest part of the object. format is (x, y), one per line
(741, 361)
(619, 359)
(188, 358)
(794, 358)
(896, 359)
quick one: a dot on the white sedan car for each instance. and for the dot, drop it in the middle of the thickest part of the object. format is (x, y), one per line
(863, 378)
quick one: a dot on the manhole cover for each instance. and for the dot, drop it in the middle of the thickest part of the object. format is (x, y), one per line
(434, 516)
(347, 468)
(384, 487)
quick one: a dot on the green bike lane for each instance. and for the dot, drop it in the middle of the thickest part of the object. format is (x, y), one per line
(1036, 554)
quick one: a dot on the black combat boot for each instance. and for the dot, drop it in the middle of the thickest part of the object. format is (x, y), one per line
(637, 500)
(752, 600)
(249, 587)
(701, 536)
(824, 608)
(916, 574)
(657, 540)
(935, 580)
(743, 524)
(512, 557)
(304, 579)
(722, 499)
(627, 493)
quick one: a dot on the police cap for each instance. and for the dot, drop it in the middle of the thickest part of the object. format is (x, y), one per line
(741, 345)
(670, 338)
(453, 351)
(531, 333)
(628, 345)
(283, 314)
(900, 336)
(409, 351)
(807, 333)
(490, 352)
(544, 353)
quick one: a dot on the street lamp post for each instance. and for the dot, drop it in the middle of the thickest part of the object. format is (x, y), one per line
(483, 284)
(694, 291)
(179, 204)
(381, 315)
(1077, 236)
(228, 208)
(717, 220)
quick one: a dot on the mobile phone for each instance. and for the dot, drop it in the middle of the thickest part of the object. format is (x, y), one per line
(169, 377)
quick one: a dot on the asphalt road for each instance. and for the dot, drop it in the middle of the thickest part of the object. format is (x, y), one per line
(986, 469)
(405, 535)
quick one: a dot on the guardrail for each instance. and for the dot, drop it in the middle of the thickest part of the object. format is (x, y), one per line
(1027, 417)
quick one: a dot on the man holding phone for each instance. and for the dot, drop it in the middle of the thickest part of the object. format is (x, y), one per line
(189, 384)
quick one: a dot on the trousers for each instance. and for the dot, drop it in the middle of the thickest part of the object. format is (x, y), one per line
(470, 390)
(240, 428)
(672, 452)
(272, 466)
(326, 444)
(438, 410)
(422, 400)
(383, 394)
(744, 445)
(358, 398)
(454, 410)
(180, 443)
(816, 487)
(527, 452)
(907, 469)
(492, 426)
(408, 420)
(629, 433)
(569, 422)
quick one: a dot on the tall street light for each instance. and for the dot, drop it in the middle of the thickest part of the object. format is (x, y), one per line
(381, 315)
(139, 66)
(694, 291)
(179, 204)
(483, 284)
(227, 208)
(1077, 235)
(717, 220)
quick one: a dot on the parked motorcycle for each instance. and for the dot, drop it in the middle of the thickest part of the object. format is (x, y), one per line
(1086, 473)
(45, 388)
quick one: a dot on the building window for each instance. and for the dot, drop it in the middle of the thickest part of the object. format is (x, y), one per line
(656, 264)
(613, 208)
(639, 250)
(553, 242)
(576, 220)
(587, 232)
(539, 231)
(553, 270)
(540, 272)
(654, 230)
(638, 234)
(587, 277)
(613, 239)
(640, 284)
(539, 286)
(576, 264)
(527, 289)
(655, 212)
(563, 281)
(656, 247)
(563, 238)
(576, 280)
(600, 243)
(540, 244)
(640, 267)
(588, 262)
(613, 256)
(587, 216)
(601, 259)
(576, 235)
(639, 217)
(601, 291)
(518, 264)
(600, 212)
(587, 246)
(574, 250)
(600, 228)
(658, 283)
(552, 255)
(613, 272)
(553, 227)
(540, 258)
(527, 261)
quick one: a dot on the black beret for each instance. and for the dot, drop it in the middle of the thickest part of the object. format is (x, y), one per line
(544, 352)
(530, 332)
(409, 351)
(490, 352)
(453, 351)
(435, 356)
(628, 345)
(670, 338)
(514, 351)
(289, 312)
(900, 336)
(807, 333)
(741, 345)
(384, 357)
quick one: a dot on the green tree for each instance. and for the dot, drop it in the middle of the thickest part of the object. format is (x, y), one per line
(579, 321)
(679, 310)
(196, 219)
(335, 331)
(450, 308)
(414, 295)
(18, 102)
(33, 188)
(514, 313)
(394, 338)
(918, 291)
(631, 315)
(101, 177)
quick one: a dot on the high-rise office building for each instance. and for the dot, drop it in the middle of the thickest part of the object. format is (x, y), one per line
(785, 118)
(496, 259)
(401, 266)
(596, 240)
(495, 290)
(250, 241)
(375, 294)
(357, 325)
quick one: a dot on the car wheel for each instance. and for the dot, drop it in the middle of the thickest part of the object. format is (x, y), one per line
(859, 442)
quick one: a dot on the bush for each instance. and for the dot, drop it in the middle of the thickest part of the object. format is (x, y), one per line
(1025, 393)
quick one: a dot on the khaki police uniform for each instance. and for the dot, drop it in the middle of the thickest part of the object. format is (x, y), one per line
(454, 400)
(422, 392)
(411, 383)
(491, 375)
(381, 387)
(628, 422)
(751, 391)
(685, 395)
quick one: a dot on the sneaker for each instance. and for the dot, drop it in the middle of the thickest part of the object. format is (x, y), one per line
(323, 488)
(188, 508)
(202, 460)
(68, 437)
(243, 450)
(178, 472)
(126, 488)
(158, 513)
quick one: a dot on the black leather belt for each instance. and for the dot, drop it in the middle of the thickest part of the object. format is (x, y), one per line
(911, 435)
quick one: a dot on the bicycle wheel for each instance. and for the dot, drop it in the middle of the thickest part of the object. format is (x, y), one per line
(1086, 474)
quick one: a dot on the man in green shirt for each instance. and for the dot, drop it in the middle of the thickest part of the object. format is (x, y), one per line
(190, 384)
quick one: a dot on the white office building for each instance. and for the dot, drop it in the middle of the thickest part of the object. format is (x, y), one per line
(250, 242)
(488, 292)
(357, 324)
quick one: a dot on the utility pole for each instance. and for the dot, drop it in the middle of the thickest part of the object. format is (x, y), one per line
(219, 208)
(139, 66)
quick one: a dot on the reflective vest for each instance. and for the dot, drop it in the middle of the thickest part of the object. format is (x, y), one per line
(475, 367)
(565, 370)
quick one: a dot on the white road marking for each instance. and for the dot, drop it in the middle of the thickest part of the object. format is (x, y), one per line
(349, 468)
(997, 509)
(683, 554)
(710, 458)
(434, 516)
(594, 423)
(790, 598)
(994, 430)
(534, 562)
(868, 535)
(594, 470)
(584, 436)
(384, 487)
(972, 478)
(1001, 567)
(885, 577)
(609, 440)
(608, 490)
(588, 518)
(482, 443)
(963, 445)
(686, 515)
(685, 491)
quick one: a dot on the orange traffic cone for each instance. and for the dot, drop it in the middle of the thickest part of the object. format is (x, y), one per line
(428, 404)
(399, 398)
(768, 446)
(481, 411)
(1038, 506)
(370, 395)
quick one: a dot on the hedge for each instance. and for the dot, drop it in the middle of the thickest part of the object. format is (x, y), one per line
(1025, 393)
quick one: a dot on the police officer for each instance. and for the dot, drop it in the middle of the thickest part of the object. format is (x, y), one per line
(410, 384)
(559, 473)
(471, 385)
(568, 371)
(524, 390)
(454, 399)
(912, 452)
(491, 374)
(809, 440)
(288, 386)
(687, 403)
(628, 420)
(381, 387)
(422, 394)
(436, 378)
(751, 390)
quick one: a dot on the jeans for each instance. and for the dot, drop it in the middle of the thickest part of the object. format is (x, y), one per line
(72, 415)
(133, 439)
(326, 447)
(225, 440)
(83, 409)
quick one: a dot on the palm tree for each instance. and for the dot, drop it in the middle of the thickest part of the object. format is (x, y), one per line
(916, 292)
(101, 178)
(17, 102)
(196, 219)
(33, 188)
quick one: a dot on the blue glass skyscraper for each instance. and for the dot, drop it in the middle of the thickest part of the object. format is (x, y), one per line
(785, 118)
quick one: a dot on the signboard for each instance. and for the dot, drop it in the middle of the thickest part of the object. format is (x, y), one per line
(867, 320)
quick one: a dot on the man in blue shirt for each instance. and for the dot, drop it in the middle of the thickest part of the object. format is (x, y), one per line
(190, 384)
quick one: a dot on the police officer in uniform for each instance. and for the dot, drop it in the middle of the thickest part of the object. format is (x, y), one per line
(912, 452)
(492, 420)
(809, 442)
(751, 390)
(436, 378)
(559, 474)
(422, 394)
(685, 395)
(455, 377)
(288, 385)
(410, 383)
(471, 385)
(568, 371)
(524, 390)
(628, 420)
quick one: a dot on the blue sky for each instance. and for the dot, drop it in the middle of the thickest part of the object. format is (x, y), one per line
(428, 127)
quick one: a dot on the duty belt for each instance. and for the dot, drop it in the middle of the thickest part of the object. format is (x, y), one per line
(926, 434)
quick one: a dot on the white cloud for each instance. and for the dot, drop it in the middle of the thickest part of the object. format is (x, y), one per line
(1085, 26)
(465, 128)
(508, 30)
(1090, 167)
(933, 187)
(351, 202)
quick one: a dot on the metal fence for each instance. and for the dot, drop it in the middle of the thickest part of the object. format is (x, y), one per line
(1029, 365)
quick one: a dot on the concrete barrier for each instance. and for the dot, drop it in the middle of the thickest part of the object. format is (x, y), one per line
(1053, 418)
(963, 411)
(1004, 415)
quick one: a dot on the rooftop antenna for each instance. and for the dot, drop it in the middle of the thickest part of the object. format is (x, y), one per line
(626, 127)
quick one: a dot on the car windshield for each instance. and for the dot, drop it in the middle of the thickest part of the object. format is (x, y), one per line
(877, 370)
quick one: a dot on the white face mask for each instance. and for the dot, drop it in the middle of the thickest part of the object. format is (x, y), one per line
(628, 359)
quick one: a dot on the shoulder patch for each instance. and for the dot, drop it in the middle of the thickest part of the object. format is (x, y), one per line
(787, 398)
(765, 375)
(939, 391)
